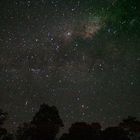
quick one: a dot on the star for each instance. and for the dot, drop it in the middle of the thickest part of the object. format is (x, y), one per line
(69, 33)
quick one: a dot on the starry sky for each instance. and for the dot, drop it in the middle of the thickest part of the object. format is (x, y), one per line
(59, 52)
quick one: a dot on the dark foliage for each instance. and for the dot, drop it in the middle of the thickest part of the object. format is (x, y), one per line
(84, 131)
(114, 133)
(3, 131)
(4, 135)
(78, 131)
(3, 117)
(44, 126)
(47, 122)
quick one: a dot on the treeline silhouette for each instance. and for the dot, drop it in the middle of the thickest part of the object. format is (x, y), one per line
(46, 124)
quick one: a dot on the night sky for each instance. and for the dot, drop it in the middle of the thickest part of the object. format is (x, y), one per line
(61, 53)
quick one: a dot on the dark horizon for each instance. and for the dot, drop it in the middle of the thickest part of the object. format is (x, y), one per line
(46, 124)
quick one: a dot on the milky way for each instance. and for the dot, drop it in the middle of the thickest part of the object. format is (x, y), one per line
(57, 52)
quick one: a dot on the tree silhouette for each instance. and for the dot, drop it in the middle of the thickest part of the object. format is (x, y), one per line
(96, 131)
(83, 131)
(114, 133)
(3, 131)
(44, 126)
(65, 136)
(132, 125)
(8, 136)
(23, 131)
(3, 117)
(46, 123)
